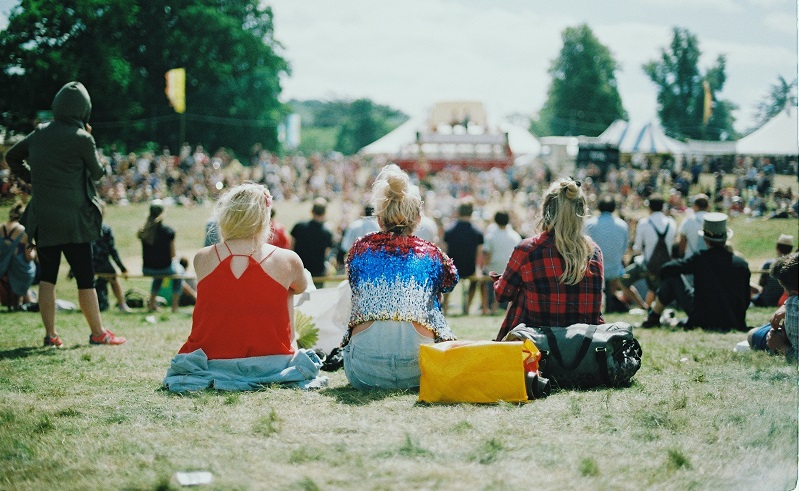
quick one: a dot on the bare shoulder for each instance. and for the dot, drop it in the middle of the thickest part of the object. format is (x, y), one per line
(288, 257)
(205, 260)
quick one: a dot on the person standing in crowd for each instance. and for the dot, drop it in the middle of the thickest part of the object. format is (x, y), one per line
(646, 238)
(279, 236)
(769, 289)
(211, 233)
(103, 251)
(242, 332)
(612, 235)
(428, 229)
(689, 241)
(555, 278)
(17, 258)
(158, 254)
(497, 249)
(312, 240)
(59, 160)
(719, 296)
(358, 228)
(464, 244)
(397, 281)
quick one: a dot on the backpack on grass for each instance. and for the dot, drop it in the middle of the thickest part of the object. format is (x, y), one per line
(661, 255)
(584, 355)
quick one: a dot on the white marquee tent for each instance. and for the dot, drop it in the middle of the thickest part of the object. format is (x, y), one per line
(778, 136)
(648, 138)
(394, 141)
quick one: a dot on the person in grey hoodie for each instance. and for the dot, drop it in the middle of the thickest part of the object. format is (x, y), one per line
(59, 160)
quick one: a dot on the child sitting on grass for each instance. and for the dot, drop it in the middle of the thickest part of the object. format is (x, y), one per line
(781, 335)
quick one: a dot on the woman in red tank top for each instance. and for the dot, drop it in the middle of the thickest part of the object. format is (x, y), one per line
(245, 287)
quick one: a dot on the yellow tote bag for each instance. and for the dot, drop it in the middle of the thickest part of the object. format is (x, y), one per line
(474, 371)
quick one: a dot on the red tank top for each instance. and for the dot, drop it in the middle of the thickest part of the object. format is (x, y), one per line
(240, 317)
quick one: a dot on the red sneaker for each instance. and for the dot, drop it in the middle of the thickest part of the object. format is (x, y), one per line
(53, 342)
(107, 337)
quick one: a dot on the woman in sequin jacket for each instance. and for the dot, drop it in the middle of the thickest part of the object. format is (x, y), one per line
(397, 282)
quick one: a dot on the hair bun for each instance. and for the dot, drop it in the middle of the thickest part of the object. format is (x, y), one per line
(570, 189)
(397, 185)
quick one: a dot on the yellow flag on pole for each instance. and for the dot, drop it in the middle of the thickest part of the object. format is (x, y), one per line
(708, 109)
(176, 89)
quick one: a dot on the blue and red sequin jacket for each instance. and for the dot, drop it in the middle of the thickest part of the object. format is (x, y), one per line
(400, 278)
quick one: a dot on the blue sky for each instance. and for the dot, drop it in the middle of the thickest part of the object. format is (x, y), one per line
(412, 53)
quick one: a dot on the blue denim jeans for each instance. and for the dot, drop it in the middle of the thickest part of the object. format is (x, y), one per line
(384, 356)
(174, 268)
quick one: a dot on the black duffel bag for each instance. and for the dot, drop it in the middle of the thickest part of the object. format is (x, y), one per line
(582, 355)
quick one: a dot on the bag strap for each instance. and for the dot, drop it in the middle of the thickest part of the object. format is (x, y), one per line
(660, 235)
(602, 361)
(553, 347)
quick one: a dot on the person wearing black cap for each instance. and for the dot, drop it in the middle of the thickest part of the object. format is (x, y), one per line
(769, 290)
(720, 295)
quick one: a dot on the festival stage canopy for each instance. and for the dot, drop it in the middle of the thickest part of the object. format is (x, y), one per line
(454, 130)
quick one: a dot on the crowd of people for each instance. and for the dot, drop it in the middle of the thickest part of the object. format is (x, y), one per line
(403, 242)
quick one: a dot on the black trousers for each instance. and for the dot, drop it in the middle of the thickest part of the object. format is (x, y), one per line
(79, 257)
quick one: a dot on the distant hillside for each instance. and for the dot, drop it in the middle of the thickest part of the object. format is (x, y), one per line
(343, 125)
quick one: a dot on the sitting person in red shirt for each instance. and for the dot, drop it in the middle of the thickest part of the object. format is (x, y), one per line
(242, 332)
(554, 279)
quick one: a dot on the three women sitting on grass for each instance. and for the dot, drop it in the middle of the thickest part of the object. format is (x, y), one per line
(242, 331)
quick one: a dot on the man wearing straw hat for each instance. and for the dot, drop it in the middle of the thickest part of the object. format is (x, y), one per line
(720, 295)
(769, 289)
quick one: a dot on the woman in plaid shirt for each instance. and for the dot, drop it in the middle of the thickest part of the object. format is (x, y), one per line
(555, 278)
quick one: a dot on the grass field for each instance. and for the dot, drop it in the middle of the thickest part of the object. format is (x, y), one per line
(697, 416)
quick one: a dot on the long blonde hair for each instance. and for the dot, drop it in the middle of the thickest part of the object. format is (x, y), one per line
(244, 212)
(563, 214)
(397, 202)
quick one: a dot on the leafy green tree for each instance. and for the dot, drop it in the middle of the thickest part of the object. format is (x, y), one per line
(354, 124)
(780, 94)
(681, 91)
(121, 50)
(583, 97)
(361, 127)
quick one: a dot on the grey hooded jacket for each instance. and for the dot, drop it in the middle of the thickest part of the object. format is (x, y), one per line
(59, 160)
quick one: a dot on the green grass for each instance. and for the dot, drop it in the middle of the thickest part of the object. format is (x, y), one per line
(697, 416)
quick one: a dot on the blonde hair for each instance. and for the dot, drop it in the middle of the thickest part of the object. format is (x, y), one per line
(244, 212)
(397, 202)
(564, 211)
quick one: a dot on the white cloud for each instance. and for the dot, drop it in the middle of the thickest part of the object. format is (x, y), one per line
(770, 3)
(780, 22)
(722, 6)
(413, 53)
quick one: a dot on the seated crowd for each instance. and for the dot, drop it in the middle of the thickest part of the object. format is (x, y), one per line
(569, 269)
(243, 332)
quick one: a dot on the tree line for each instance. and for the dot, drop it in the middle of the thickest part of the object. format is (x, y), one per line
(121, 50)
(583, 97)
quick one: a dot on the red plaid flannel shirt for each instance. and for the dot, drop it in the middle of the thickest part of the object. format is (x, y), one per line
(531, 283)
